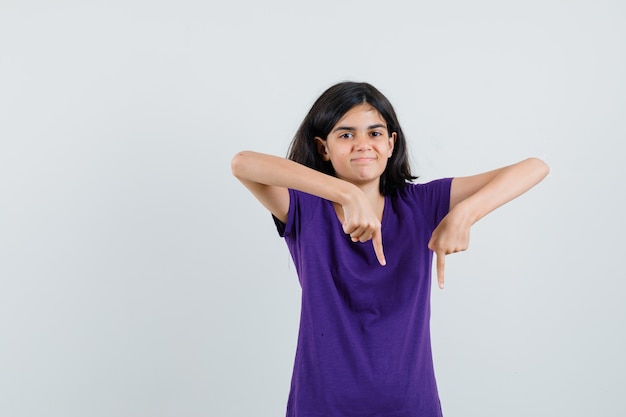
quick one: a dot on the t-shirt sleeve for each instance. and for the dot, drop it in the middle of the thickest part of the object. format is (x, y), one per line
(302, 207)
(286, 229)
(434, 200)
(441, 194)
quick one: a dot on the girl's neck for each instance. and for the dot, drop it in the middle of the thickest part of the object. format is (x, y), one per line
(372, 192)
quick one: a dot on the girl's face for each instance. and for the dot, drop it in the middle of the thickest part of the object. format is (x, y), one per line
(358, 146)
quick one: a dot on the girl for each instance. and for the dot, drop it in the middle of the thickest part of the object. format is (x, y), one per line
(362, 235)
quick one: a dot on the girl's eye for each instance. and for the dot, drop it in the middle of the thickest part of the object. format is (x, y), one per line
(346, 135)
(376, 134)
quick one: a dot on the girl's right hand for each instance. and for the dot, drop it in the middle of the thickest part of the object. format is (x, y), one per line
(269, 177)
(362, 224)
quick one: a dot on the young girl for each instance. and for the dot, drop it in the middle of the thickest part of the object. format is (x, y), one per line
(362, 235)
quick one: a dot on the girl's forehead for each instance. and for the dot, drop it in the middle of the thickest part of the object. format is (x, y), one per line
(364, 112)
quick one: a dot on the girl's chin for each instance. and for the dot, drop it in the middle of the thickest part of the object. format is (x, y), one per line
(361, 179)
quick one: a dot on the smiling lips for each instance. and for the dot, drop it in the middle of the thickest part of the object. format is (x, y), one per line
(363, 159)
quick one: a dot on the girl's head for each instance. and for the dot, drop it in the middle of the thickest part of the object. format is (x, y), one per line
(329, 108)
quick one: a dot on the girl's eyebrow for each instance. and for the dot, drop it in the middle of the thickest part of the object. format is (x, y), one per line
(376, 126)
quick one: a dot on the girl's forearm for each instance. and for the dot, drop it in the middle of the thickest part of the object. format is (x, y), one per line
(255, 167)
(509, 183)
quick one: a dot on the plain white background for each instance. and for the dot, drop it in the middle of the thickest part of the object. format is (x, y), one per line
(138, 278)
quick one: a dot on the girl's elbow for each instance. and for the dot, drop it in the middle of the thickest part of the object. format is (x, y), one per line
(238, 163)
(540, 165)
(544, 167)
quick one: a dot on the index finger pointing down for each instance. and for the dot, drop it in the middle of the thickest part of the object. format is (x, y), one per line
(441, 266)
(377, 241)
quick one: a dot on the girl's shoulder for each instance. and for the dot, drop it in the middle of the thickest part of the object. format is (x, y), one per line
(300, 198)
(302, 208)
(431, 199)
(429, 189)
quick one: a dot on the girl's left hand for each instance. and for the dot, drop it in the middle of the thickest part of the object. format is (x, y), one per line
(450, 236)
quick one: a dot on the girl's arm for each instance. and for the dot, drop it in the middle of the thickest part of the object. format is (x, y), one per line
(269, 177)
(472, 198)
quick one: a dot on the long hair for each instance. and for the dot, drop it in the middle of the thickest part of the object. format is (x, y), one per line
(324, 115)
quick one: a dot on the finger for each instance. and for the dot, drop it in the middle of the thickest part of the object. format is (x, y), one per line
(358, 233)
(441, 267)
(348, 228)
(362, 233)
(354, 229)
(377, 241)
(431, 244)
(365, 237)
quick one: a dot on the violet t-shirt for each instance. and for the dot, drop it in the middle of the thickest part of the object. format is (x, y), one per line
(364, 341)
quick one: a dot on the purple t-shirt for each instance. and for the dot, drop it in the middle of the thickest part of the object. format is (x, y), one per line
(364, 341)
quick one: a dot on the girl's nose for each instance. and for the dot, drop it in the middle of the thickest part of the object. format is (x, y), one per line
(362, 142)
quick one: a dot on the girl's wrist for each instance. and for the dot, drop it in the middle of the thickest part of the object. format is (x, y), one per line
(466, 213)
(347, 193)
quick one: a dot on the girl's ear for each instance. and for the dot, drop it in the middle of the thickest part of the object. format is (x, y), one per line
(322, 149)
(392, 143)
